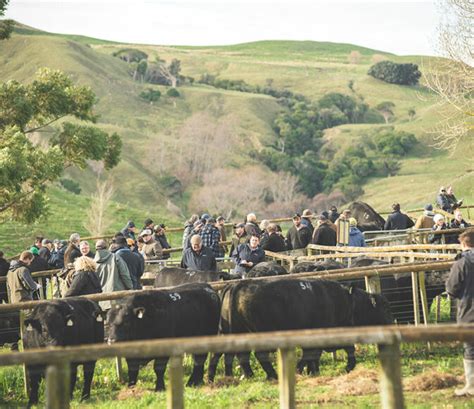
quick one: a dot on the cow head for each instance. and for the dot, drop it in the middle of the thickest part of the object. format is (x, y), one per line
(370, 309)
(125, 321)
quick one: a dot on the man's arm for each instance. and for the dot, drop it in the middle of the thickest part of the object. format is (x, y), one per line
(124, 273)
(455, 282)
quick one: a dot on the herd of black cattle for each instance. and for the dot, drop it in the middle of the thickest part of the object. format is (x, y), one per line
(193, 308)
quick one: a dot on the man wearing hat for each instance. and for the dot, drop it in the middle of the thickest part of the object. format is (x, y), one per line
(148, 224)
(439, 224)
(324, 235)
(239, 237)
(425, 221)
(151, 249)
(306, 220)
(129, 230)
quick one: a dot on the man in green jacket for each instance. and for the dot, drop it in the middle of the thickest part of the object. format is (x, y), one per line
(21, 285)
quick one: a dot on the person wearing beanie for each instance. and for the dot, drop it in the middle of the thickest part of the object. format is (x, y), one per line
(439, 224)
(324, 234)
(356, 238)
(148, 224)
(425, 221)
(398, 220)
(460, 285)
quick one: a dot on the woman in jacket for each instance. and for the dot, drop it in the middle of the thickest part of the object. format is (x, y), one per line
(84, 279)
(356, 238)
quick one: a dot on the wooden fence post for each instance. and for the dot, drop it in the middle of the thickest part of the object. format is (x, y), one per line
(175, 390)
(25, 371)
(57, 385)
(416, 297)
(119, 369)
(391, 390)
(286, 377)
(424, 297)
(372, 285)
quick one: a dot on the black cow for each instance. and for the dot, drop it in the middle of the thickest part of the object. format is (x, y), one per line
(10, 328)
(307, 266)
(184, 311)
(266, 269)
(173, 276)
(363, 261)
(260, 306)
(367, 218)
(74, 321)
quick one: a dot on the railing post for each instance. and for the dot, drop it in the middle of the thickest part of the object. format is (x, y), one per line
(391, 390)
(416, 298)
(119, 369)
(175, 390)
(57, 385)
(372, 284)
(424, 297)
(286, 377)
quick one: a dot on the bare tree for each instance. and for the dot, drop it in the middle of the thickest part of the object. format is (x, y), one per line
(97, 222)
(452, 80)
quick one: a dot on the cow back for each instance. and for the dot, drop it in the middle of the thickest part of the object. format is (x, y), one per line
(367, 218)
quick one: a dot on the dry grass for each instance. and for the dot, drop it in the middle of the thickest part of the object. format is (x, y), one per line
(432, 381)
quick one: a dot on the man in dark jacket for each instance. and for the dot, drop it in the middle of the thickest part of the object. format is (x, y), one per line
(398, 220)
(306, 220)
(129, 230)
(298, 236)
(248, 255)
(72, 252)
(134, 261)
(56, 260)
(4, 266)
(160, 237)
(273, 241)
(45, 249)
(21, 285)
(240, 236)
(198, 257)
(251, 226)
(460, 285)
(324, 234)
(333, 214)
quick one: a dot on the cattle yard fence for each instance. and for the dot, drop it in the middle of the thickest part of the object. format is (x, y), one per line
(57, 360)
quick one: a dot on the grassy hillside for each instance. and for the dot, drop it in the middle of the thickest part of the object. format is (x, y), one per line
(218, 128)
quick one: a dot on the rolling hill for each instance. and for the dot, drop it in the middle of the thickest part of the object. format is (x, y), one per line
(170, 145)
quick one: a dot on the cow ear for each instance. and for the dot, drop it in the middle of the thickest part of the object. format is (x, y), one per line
(351, 289)
(139, 312)
(32, 324)
(99, 316)
(69, 320)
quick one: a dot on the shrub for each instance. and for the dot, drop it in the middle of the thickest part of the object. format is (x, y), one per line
(390, 142)
(393, 73)
(173, 93)
(130, 55)
(150, 95)
(71, 186)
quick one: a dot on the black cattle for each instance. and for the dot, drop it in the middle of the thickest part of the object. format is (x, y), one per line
(261, 306)
(184, 311)
(363, 261)
(10, 328)
(267, 269)
(307, 266)
(367, 218)
(74, 321)
(173, 276)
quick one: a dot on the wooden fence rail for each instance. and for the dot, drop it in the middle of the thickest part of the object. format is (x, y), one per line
(57, 360)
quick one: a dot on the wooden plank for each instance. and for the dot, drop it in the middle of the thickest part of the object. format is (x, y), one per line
(26, 383)
(57, 385)
(119, 369)
(391, 391)
(423, 296)
(416, 298)
(175, 390)
(267, 341)
(372, 285)
(286, 377)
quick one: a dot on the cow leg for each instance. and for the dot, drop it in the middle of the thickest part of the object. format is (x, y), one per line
(133, 368)
(197, 376)
(313, 357)
(160, 368)
(351, 360)
(73, 379)
(263, 358)
(244, 362)
(34, 374)
(213, 362)
(88, 368)
(228, 361)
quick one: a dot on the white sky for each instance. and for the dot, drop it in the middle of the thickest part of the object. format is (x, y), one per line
(401, 27)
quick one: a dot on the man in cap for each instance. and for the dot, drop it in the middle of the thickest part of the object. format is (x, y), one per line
(425, 221)
(198, 257)
(129, 230)
(151, 249)
(239, 237)
(148, 224)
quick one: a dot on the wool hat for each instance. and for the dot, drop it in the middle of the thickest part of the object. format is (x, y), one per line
(429, 207)
(437, 217)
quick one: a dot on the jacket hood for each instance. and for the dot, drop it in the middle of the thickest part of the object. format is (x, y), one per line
(15, 264)
(354, 231)
(102, 256)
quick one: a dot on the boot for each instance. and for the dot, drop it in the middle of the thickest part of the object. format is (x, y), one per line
(468, 390)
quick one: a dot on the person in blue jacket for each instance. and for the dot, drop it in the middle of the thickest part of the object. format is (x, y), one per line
(356, 238)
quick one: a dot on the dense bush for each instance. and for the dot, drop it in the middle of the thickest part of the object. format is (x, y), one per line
(391, 142)
(393, 73)
(71, 186)
(150, 95)
(173, 92)
(130, 55)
